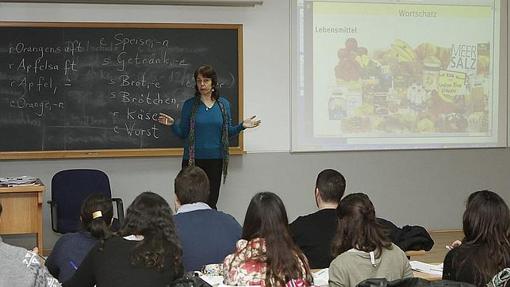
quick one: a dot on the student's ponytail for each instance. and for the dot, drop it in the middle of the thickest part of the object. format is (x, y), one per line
(99, 227)
(96, 216)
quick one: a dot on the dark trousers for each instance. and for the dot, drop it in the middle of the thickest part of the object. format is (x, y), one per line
(213, 168)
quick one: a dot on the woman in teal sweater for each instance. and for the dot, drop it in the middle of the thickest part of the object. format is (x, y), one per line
(206, 125)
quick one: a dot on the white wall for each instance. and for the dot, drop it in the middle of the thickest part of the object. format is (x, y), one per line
(425, 187)
(266, 50)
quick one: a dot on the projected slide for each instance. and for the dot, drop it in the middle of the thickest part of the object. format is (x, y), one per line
(405, 75)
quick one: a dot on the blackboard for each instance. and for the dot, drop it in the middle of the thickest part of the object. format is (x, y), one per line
(71, 90)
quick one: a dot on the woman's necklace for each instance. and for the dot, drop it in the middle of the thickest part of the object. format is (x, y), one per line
(209, 103)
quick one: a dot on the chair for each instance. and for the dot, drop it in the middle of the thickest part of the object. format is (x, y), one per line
(69, 188)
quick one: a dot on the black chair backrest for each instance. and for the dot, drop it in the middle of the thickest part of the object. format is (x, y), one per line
(69, 188)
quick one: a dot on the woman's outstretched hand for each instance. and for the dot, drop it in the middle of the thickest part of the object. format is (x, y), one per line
(165, 119)
(251, 123)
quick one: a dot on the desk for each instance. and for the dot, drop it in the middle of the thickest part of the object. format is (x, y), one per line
(427, 276)
(321, 274)
(22, 210)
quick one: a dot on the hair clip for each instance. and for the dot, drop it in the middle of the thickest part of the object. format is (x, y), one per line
(97, 214)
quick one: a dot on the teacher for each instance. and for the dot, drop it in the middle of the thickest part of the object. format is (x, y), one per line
(206, 125)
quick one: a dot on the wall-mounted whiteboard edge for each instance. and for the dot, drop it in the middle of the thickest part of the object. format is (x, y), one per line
(224, 3)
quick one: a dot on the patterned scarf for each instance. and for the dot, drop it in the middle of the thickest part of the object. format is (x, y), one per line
(224, 135)
(500, 279)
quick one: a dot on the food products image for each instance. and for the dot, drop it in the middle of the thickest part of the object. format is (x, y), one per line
(423, 89)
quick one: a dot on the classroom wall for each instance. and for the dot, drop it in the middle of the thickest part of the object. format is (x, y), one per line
(424, 187)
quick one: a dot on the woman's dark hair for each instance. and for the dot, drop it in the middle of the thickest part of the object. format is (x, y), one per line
(358, 227)
(150, 215)
(96, 215)
(486, 226)
(207, 71)
(266, 218)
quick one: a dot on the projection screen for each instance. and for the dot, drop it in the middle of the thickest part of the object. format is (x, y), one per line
(372, 75)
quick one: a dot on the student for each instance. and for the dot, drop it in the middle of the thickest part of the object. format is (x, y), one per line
(314, 232)
(22, 268)
(147, 252)
(266, 255)
(207, 235)
(485, 249)
(206, 124)
(361, 246)
(68, 253)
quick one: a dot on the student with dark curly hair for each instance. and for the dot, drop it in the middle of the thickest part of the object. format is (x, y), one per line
(96, 217)
(485, 249)
(206, 125)
(266, 254)
(146, 252)
(362, 247)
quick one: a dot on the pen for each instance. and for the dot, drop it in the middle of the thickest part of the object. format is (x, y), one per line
(73, 265)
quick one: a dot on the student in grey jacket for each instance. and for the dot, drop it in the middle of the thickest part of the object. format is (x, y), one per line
(22, 268)
(361, 246)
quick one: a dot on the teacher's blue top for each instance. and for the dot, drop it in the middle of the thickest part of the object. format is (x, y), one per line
(208, 125)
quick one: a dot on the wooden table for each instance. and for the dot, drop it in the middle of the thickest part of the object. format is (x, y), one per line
(423, 275)
(427, 276)
(22, 211)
